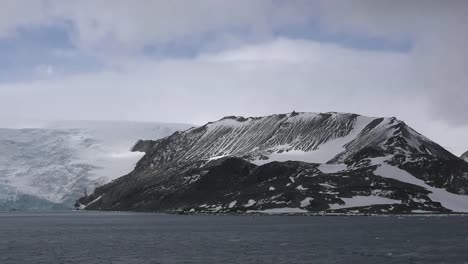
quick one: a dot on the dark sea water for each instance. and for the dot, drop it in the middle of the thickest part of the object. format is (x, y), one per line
(95, 237)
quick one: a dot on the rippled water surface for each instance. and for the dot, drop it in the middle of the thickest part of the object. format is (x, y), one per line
(96, 237)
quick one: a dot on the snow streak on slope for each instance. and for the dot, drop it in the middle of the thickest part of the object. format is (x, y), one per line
(321, 153)
(454, 202)
(62, 160)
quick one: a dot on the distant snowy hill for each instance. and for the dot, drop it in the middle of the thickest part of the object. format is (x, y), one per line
(295, 162)
(464, 156)
(50, 166)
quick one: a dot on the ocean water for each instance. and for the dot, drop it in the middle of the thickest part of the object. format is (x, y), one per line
(107, 237)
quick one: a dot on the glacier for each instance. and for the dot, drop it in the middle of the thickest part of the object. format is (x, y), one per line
(50, 165)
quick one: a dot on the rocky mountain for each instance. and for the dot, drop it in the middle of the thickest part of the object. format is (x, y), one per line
(464, 156)
(53, 164)
(291, 163)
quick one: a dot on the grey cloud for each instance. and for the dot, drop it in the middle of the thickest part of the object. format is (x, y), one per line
(438, 32)
(260, 74)
(20, 13)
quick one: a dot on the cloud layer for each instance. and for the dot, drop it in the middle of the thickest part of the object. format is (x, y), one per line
(195, 61)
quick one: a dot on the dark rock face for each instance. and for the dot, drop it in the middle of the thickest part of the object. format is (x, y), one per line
(464, 156)
(235, 185)
(449, 174)
(340, 163)
(143, 145)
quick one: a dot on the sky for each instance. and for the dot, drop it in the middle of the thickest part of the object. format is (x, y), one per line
(197, 61)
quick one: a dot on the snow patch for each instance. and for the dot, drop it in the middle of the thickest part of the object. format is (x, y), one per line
(300, 188)
(285, 210)
(359, 201)
(332, 168)
(306, 202)
(421, 212)
(93, 201)
(326, 185)
(216, 209)
(249, 203)
(218, 157)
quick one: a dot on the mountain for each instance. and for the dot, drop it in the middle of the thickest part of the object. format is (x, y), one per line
(52, 165)
(464, 156)
(291, 163)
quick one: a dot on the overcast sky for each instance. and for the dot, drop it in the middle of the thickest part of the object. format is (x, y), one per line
(197, 61)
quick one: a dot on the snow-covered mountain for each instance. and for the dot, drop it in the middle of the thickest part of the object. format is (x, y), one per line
(464, 156)
(52, 165)
(296, 162)
(308, 137)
